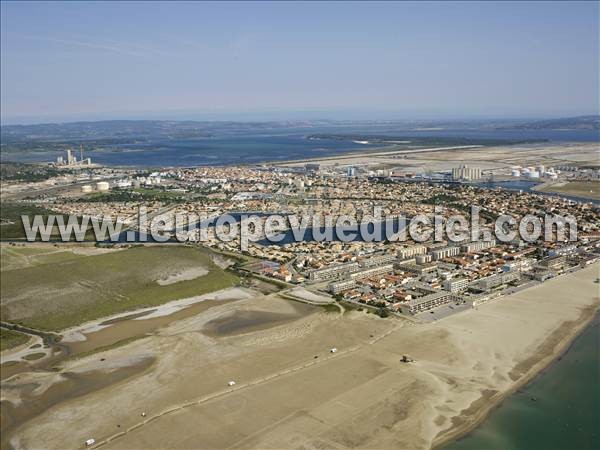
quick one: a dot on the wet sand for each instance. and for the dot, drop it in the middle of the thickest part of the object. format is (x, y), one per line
(241, 322)
(69, 386)
(129, 327)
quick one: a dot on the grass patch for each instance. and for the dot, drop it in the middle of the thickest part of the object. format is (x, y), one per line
(11, 339)
(23, 257)
(60, 295)
(34, 356)
(330, 308)
(9, 364)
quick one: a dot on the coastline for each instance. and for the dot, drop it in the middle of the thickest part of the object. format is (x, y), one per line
(464, 366)
(472, 420)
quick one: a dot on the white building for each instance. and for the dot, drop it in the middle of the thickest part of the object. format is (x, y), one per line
(444, 252)
(466, 173)
(477, 246)
(339, 286)
(456, 284)
(372, 272)
(331, 272)
(410, 252)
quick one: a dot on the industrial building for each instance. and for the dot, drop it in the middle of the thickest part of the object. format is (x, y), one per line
(464, 173)
(72, 161)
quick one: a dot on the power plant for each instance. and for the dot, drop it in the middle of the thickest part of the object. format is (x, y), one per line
(72, 160)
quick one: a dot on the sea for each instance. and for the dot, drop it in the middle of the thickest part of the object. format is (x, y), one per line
(559, 410)
(254, 147)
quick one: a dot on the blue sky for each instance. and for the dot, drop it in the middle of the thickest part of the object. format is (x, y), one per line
(75, 60)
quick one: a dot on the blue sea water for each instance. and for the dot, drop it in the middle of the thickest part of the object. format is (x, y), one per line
(283, 144)
(560, 410)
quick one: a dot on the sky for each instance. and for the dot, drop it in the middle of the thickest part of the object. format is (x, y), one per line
(201, 60)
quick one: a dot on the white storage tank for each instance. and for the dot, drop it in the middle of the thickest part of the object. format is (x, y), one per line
(86, 188)
(515, 173)
(102, 186)
(534, 174)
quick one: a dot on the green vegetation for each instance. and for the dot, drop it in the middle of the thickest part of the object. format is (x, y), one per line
(140, 194)
(10, 339)
(154, 194)
(63, 294)
(26, 172)
(441, 199)
(16, 257)
(11, 225)
(331, 308)
(34, 356)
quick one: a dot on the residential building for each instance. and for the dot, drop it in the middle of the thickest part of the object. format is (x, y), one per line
(444, 252)
(456, 284)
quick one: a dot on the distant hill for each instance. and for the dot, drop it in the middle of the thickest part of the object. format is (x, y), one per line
(567, 123)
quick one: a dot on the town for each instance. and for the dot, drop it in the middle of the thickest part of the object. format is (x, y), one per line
(428, 279)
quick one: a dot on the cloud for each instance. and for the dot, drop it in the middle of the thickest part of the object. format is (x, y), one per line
(119, 47)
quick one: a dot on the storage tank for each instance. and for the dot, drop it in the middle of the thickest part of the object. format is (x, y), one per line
(515, 173)
(102, 186)
(86, 188)
(534, 174)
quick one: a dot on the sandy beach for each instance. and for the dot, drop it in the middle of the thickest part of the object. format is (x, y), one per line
(362, 396)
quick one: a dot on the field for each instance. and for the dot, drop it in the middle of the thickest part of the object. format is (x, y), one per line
(586, 189)
(22, 257)
(10, 339)
(57, 290)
